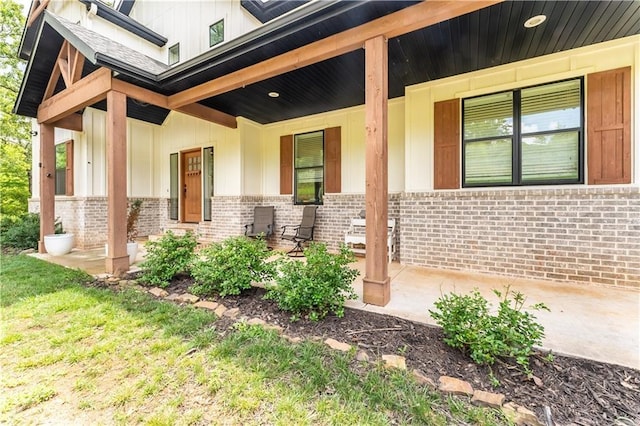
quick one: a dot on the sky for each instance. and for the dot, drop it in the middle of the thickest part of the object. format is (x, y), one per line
(26, 4)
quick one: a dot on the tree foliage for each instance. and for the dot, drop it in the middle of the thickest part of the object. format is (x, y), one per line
(15, 138)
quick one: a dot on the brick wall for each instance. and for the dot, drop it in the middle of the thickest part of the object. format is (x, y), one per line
(583, 234)
(86, 218)
(231, 213)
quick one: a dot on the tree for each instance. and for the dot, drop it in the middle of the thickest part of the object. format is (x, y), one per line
(15, 137)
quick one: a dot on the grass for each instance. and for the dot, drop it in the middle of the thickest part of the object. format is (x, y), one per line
(72, 353)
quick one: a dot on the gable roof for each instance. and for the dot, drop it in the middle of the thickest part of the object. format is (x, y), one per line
(98, 51)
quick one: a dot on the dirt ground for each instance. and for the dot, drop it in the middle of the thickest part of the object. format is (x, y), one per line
(578, 391)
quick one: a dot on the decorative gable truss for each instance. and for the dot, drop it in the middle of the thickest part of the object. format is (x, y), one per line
(59, 109)
(68, 65)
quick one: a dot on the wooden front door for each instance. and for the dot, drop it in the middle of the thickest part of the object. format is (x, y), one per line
(191, 186)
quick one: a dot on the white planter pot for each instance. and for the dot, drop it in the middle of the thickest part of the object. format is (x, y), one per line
(58, 244)
(132, 251)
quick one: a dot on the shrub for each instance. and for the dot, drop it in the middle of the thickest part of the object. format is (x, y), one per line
(23, 232)
(230, 266)
(168, 257)
(316, 287)
(469, 326)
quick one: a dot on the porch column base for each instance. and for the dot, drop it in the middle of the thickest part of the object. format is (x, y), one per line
(41, 248)
(376, 292)
(117, 265)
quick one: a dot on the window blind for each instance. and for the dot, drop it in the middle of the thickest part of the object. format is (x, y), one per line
(309, 150)
(488, 116)
(551, 107)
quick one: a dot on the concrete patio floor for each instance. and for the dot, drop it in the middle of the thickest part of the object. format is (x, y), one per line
(599, 323)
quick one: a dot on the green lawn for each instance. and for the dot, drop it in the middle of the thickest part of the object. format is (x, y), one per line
(72, 354)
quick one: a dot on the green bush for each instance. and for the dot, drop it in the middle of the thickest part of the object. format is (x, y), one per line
(23, 232)
(230, 266)
(168, 257)
(316, 287)
(469, 326)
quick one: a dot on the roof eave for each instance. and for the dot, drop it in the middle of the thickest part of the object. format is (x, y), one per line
(266, 32)
(125, 68)
(124, 21)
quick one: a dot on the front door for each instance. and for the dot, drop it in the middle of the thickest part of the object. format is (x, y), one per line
(191, 186)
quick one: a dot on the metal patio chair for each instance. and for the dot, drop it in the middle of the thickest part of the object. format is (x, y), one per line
(262, 225)
(300, 234)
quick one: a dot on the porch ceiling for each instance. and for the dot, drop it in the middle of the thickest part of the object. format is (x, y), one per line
(483, 39)
(492, 36)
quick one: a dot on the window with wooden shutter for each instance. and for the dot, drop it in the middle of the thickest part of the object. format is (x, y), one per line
(609, 126)
(308, 165)
(446, 166)
(528, 136)
(311, 165)
(286, 164)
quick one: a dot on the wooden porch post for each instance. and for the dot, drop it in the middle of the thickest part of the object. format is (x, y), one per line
(117, 261)
(47, 182)
(377, 284)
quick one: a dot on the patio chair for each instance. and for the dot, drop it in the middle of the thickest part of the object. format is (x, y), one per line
(262, 225)
(300, 234)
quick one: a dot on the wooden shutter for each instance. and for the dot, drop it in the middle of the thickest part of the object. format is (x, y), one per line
(286, 164)
(609, 126)
(446, 134)
(69, 168)
(332, 160)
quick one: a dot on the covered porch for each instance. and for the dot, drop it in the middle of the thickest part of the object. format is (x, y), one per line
(373, 61)
(599, 323)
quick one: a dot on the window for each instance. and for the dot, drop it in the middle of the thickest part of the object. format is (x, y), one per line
(216, 33)
(309, 168)
(524, 137)
(174, 54)
(64, 168)
(207, 166)
(173, 186)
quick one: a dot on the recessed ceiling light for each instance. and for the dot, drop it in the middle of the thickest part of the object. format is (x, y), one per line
(274, 94)
(535, 21)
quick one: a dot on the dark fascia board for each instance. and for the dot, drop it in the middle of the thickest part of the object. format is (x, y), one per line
(266, 11)
(125, 68)
(38, 32)
(263, 35)
(28, 36)
(126, 22)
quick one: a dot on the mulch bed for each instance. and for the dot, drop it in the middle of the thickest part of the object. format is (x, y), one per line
(578, 391)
